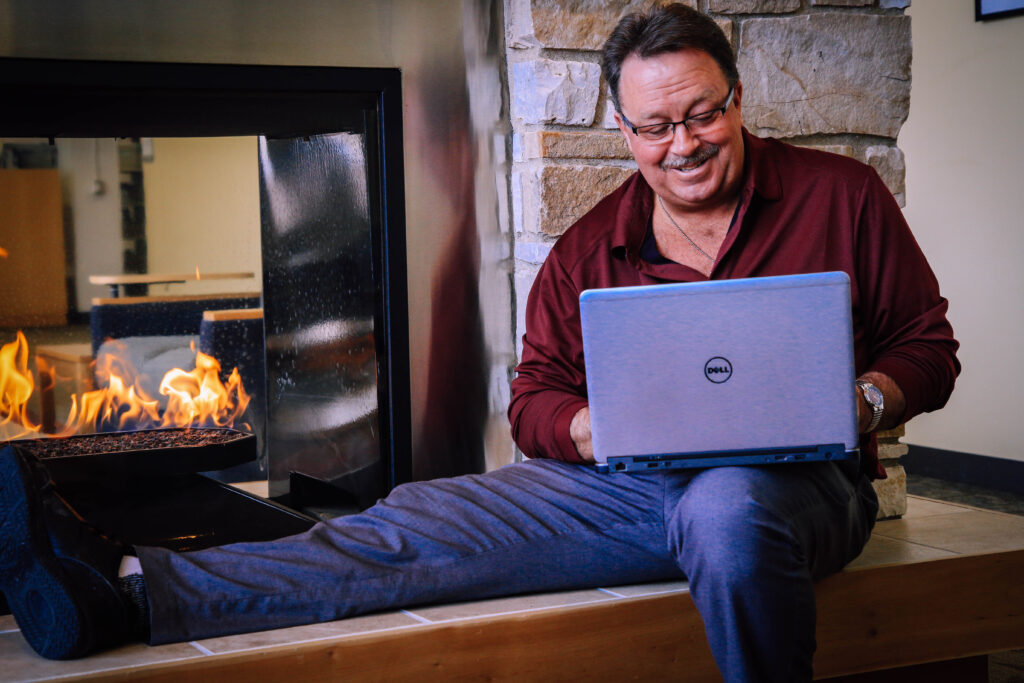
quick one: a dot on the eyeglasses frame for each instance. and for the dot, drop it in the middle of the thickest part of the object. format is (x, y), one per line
(673, 124)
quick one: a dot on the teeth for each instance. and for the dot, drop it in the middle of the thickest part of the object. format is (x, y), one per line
(688, 167)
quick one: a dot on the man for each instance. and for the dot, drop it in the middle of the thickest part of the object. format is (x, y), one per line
(709, 201)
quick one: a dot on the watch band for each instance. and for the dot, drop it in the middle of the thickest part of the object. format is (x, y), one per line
(876, 399)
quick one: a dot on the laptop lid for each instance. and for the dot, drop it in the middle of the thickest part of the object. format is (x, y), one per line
(697, 374)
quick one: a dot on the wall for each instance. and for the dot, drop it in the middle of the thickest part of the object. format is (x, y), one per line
(965, 164)
(95, 218)
(830, 74)
(203, 210)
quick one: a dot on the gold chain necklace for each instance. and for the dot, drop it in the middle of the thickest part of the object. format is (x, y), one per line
(676, 225)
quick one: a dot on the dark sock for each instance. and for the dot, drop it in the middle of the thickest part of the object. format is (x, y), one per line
(133, 587)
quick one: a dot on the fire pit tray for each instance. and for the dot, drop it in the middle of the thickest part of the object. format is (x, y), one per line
(144, 453)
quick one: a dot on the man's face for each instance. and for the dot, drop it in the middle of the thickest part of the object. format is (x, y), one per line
(690, 172)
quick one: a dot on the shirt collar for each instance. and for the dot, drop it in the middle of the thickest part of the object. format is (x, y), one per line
(760, 170)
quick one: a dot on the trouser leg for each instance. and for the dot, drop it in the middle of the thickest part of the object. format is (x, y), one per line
(752, 540)
(534, 526)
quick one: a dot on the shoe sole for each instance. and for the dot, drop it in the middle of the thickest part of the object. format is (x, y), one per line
(31, 576)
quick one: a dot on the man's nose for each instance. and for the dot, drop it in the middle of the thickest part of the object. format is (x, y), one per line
(683, 141)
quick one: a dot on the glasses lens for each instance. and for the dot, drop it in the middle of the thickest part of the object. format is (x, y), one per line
(706, 121)
(658, 131)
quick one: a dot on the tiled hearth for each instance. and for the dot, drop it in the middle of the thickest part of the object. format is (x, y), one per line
(930, 530)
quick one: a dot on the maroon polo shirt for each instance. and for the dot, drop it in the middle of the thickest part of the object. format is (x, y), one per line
(800, 211)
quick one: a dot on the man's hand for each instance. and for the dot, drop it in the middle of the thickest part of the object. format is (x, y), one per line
(895, 403)
(579, 431)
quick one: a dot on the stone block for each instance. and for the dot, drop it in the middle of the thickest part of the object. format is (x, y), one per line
(844, 150)
(726, 26)
(892, 492)
(591, 145)
(753, 6)
(890, 165)
(841, 3)
(519, 27)
(532, 252)
(568, 192)
(894, 434)
(894, 4)
(549, 91)
(525, 274)
(581, 24)
(608, 120)
(829, 72)
(892, 450)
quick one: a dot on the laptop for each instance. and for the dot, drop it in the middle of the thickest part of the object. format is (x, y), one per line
(727, 372)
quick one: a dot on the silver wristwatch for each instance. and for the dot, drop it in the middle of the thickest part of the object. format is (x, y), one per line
(873, 395)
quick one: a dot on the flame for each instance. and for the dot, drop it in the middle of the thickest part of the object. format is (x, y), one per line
(16, 386)
(196, 398)
(4, 253)
(200, 397)
(197, 272)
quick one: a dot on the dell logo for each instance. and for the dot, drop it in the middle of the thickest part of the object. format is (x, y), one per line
(718, 370)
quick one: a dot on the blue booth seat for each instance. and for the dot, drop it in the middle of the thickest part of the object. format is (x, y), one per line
(146, 316)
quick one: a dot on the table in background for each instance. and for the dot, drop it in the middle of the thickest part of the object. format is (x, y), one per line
(116, 281)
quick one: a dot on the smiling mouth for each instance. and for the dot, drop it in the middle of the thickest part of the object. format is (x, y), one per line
(692, 162)
(689, 167)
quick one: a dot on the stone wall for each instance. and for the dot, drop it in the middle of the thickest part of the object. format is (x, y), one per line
(829, 74)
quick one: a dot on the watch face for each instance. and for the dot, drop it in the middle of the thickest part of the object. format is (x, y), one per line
(873, 394)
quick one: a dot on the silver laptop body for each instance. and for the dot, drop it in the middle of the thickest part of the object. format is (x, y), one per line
(727, 372)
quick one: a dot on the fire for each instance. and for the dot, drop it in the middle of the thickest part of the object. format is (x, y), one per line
(16, 386)
(200, 397)
(196, 398)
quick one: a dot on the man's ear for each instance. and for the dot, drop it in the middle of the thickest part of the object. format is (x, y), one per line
(737, 97)
(625, 130)
(620, 123)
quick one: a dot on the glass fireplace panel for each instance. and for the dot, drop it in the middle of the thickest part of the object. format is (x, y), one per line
(319, 303)
(333, 341)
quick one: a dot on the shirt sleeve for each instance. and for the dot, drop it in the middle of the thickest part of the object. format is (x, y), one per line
(550, 386)
(908, 334)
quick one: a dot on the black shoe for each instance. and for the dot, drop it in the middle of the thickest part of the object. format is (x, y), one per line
(58, 574)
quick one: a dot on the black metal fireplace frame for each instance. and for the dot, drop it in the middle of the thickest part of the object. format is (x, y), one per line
(79, 98)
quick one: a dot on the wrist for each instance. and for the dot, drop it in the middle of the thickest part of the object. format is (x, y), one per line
(874, 399)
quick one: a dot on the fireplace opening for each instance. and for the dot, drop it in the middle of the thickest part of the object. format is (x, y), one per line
(317, 325)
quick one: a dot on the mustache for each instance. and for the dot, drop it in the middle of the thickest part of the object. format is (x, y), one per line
(700, 155)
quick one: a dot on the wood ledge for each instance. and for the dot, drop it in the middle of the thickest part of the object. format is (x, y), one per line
(870, 618)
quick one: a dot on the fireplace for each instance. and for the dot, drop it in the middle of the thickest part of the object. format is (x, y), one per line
(326, 364)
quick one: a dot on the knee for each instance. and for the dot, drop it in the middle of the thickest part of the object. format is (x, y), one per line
(731, 536)
(724, 543)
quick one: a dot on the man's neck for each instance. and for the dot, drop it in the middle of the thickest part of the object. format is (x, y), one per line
(692, 238)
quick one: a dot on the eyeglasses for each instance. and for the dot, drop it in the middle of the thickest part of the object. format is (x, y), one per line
(696, 124)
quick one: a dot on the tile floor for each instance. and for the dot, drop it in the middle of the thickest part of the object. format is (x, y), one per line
(1004, 667)
(931, 529)
(955, 492)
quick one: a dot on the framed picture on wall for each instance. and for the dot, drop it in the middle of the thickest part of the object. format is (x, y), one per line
(997, 9)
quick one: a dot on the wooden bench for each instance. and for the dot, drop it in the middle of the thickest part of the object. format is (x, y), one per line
(941, 585)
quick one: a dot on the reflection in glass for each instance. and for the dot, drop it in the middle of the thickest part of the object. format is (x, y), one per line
(319, 304)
